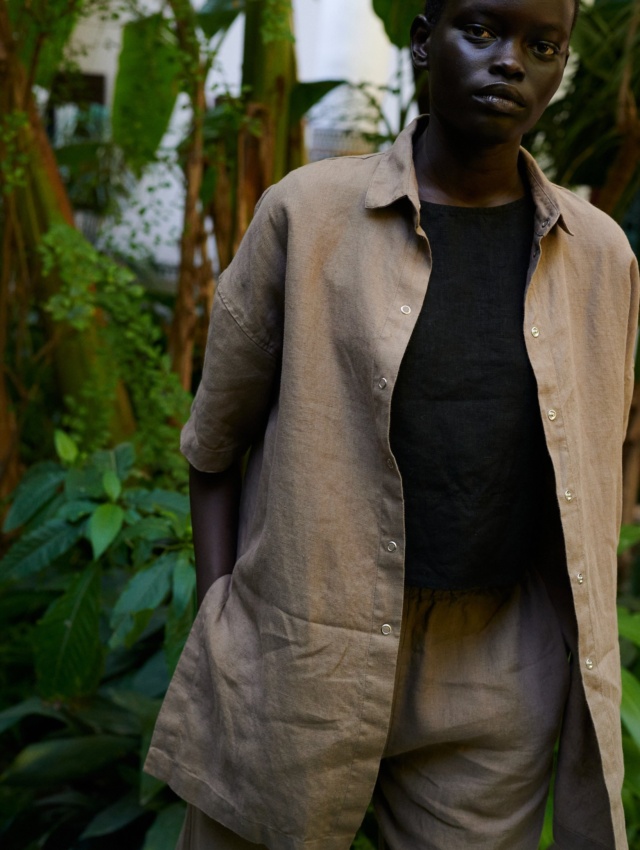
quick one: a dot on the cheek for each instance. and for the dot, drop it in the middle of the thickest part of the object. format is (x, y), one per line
(547, 85)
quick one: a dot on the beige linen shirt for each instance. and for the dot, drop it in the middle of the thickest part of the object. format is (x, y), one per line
(277, 715)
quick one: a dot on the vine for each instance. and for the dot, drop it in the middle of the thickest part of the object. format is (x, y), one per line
(94, 287)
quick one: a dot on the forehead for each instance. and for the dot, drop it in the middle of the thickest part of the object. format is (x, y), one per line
(556, 14)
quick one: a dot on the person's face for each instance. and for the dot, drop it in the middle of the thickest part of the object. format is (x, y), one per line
(494, 64)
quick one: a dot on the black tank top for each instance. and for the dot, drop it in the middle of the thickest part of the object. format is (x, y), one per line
(466, 429)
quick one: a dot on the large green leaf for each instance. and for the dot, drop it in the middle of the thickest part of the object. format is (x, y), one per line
(629, 625)
(103, 527)
(152, 679)
(146, 88)
(75, 510)
(629, 536)
(175, 635)
(61, 760)
(154, 500)
(630, 706)
(42, 35)
(184, 583)
(66, 449)
(84, 484)
(112, 485)
(631, 764)
(147, 589)
(165, 830)
(216, 16)
(127, 629)
(38, 549)
(306, 95)
(114, 817)
(397, 18)
(149, 528)
(125, 456)
(32, 706)
(33, 493)
(100, 715)
(68, 651)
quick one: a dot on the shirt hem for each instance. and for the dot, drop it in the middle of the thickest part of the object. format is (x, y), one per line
(200, 794)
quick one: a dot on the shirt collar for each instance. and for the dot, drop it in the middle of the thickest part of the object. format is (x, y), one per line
(395, 178)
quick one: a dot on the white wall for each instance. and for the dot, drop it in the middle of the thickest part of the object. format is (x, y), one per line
(337, 39)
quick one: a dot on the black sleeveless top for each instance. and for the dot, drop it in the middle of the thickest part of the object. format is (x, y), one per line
(465, 422)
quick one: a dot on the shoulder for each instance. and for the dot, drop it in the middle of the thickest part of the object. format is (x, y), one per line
(595, 232)
(327, 185)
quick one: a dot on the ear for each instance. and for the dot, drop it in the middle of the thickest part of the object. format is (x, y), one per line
(420, 36)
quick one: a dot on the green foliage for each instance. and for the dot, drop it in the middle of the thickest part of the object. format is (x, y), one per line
(93, 286)
(13, 161)
(42, 29)
(276, 20)
(67, 648)
(148, 73)
(629, 629)
(306, 95)
(397, 18)
(216, 16)
(96, 638)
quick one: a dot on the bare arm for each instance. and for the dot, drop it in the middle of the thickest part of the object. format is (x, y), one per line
(215, 500)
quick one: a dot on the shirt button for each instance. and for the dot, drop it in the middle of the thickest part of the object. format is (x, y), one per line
(382, 383)
(390, 463)
(392, 546)
(386, 629)
(580, 578)
(405, 309)
(568, 494)
(552, 414)
(535, 331)
(545, 223)
(588, 662)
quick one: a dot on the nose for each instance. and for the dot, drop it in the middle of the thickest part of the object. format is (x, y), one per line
(508, 61)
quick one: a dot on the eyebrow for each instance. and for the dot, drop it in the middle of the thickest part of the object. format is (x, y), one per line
(489, 12)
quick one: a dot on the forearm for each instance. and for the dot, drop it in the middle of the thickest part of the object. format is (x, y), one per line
(215, 499)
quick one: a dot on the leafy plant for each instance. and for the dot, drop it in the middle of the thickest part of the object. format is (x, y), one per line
(92, 285)
(97, 594)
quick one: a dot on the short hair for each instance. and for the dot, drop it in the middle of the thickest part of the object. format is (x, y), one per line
(433, 10)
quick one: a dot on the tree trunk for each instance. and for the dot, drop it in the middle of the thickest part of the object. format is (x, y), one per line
(195, 279)
(31, 205)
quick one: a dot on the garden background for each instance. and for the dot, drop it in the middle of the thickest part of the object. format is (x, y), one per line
(101, 349)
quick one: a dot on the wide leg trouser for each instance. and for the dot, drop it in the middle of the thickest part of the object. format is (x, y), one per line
(480, 691)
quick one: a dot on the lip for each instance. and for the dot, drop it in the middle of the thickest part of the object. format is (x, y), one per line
(501, 98)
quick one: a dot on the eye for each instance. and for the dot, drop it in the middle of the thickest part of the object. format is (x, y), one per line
(478, 32)
(546, 49)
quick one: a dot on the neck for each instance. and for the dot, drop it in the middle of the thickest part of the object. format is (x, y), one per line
(458, 173)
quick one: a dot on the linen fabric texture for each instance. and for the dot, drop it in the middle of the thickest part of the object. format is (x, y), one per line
(278, 713)
(481, 684)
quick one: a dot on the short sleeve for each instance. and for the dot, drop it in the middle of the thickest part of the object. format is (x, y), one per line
(242, 357)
